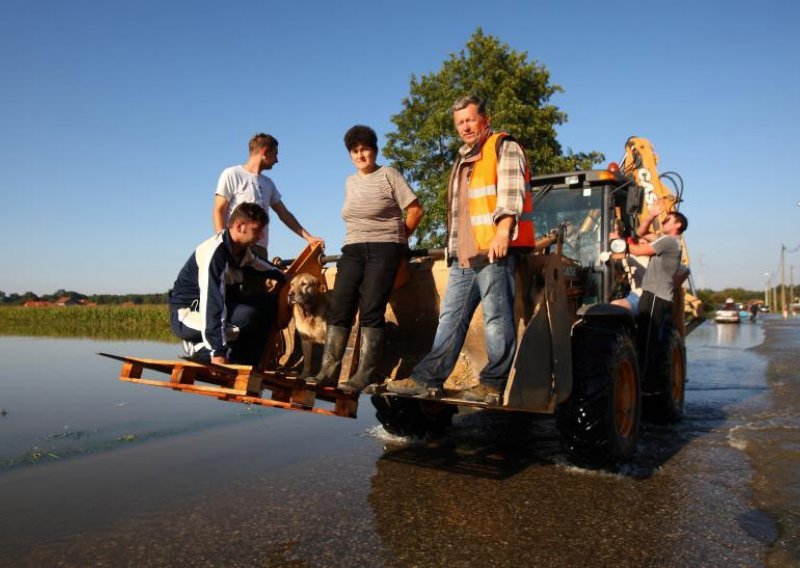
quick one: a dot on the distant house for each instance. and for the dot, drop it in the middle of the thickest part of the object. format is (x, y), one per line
(37, 304)
(66, 301)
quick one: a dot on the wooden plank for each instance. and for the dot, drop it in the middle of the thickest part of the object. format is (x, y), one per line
(248, 381)
(159, 365)
(182, 387)
(270, 380)
(241, 383)
(286, 406)
(228, 372)
(208, 372)
(131, 370)
(345, 407)
(303, 397)
(281, 394)
(182, 374)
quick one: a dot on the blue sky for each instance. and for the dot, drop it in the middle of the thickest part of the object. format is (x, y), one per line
(116, 118)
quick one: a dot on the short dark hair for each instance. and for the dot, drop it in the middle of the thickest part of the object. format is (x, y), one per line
(261, 140)
(248, 212)
(463, 102)
(681, 218)
(360, 134)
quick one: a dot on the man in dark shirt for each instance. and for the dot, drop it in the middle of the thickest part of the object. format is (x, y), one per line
(208, 309)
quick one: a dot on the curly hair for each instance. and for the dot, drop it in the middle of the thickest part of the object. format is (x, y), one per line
(360, 134)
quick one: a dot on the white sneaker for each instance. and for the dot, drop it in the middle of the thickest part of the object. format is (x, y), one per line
(189, 348)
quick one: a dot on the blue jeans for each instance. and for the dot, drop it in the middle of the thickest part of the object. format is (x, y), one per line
(493, 285)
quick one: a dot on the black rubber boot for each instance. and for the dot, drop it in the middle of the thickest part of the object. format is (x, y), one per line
(368, 357)
(335, 344)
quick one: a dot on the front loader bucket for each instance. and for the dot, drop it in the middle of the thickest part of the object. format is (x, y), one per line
(413, 313)
(541, 375)
(411, 319)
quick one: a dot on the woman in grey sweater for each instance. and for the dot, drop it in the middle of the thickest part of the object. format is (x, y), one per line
(376, 240)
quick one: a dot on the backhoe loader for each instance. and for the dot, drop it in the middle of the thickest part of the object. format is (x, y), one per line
(577, 356)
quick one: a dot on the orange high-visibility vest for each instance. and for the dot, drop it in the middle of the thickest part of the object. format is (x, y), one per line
(483, 198)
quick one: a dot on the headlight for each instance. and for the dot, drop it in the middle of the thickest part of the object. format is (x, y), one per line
(618, 246)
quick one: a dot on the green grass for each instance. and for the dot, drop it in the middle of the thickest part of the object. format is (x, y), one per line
(148, 322)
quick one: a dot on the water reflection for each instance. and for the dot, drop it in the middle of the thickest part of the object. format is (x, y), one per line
(59, 399)
(726, 333)
(737, 336)
(314, 490)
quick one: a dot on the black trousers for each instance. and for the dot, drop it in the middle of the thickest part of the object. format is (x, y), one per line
(654, 323)
(364, 278)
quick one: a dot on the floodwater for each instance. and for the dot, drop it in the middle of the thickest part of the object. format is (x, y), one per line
(96, 472)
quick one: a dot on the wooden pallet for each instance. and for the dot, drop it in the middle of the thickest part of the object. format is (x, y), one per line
(239, 383)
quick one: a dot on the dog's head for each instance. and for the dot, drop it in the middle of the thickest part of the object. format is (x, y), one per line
(304, 289)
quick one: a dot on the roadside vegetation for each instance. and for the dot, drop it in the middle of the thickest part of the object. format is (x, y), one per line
(713, 299)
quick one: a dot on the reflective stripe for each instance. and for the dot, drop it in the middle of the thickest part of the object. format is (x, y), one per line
(485, 219)
(483, 199)
(477, 192)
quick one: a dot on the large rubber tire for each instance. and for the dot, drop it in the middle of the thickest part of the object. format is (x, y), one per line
(599, 423)
(668, 384)
(408, 417)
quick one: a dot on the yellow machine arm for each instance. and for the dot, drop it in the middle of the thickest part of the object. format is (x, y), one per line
(640, 166)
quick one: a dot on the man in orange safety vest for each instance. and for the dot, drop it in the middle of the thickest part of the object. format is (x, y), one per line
(489, 217)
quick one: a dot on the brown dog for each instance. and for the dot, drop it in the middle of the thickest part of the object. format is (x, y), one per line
(309, 307)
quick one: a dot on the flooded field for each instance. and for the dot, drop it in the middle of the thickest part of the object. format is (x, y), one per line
(97, 472)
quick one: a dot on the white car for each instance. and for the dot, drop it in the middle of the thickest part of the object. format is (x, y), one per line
(729, 313)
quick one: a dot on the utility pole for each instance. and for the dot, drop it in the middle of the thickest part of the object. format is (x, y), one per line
(791, 289)
(783, 282)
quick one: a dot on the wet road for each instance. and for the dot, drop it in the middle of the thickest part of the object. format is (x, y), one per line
(285, 489)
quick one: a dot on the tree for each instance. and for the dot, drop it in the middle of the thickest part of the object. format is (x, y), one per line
(29, 297)
(518, 93)
(707, 299)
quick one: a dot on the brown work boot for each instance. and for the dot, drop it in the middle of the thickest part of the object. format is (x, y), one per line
(408, 387)
(482, 392)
